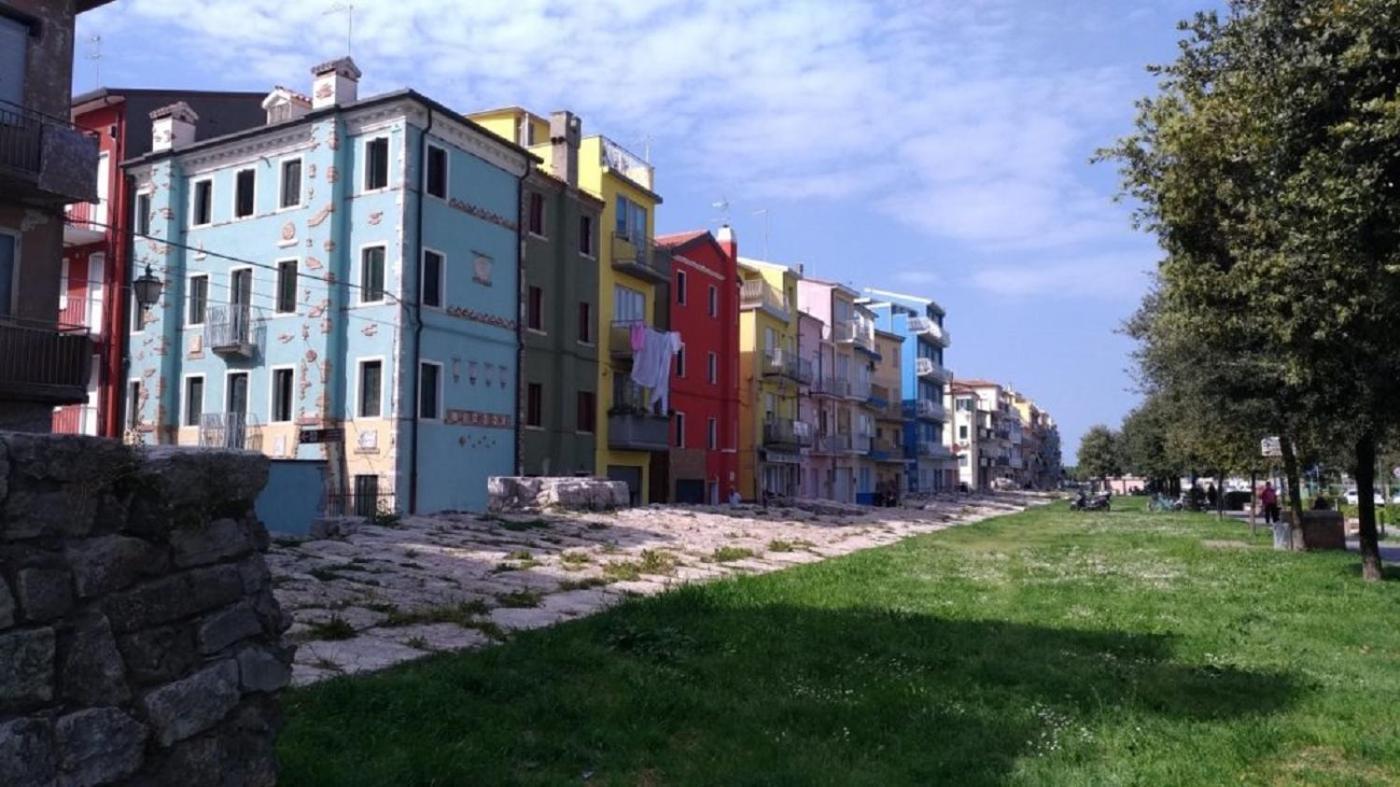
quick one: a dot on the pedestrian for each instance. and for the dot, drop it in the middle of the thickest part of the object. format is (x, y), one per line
(1212, 496)
(1269, 500)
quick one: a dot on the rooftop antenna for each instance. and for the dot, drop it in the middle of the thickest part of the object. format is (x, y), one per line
(349, 10)
(723, 207)
(764, 213)
(646, 147)
(94, 54)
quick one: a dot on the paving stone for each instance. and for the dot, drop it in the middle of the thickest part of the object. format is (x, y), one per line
(361, 654)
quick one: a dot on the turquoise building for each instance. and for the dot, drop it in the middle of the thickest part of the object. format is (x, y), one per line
(929, 463)
(341, 284)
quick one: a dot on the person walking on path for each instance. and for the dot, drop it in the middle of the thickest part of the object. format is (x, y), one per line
(1269, 499)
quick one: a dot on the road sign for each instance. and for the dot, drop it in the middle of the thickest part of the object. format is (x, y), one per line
(326, 435)
(1271, 446)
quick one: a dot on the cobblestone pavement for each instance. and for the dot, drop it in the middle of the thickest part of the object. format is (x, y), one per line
(382, 595)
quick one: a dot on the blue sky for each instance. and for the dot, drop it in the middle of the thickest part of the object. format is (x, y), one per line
(937, 147)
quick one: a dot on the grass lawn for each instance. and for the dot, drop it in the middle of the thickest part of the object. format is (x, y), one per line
(1048, 647)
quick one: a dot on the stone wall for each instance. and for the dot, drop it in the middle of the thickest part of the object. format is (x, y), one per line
(139, 637)
(577, 493)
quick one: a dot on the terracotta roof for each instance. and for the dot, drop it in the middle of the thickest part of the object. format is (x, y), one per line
(974, 382)
(680, 238)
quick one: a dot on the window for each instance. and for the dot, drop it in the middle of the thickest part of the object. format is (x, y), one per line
(366, 499)
(680, 362)
(713, 308)
(586, 411)
(436, 177)
(376, 163)
(680, 429)
(534, 405)
(429, 391)
(585, 323)
(290, 192)
(286, 286)
(9, 262)
(585, 235)
(712, 434)
(199, 299)
(282, 395)
(680, 287)
(629, 305)
(712, 372)
(240, 283)
(143, 214)
(372, 274)
(133, 404)
(202, 212)
(139, 317)
(371, 376)
(631, 219)
(962, 432)
(194, 400)
(537, 214)
(63, 283)
(14, 44)
(431, 279)
(534, 309)
(244, 185)
(104, 187)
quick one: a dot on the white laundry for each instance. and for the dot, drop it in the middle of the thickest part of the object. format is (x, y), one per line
(651, 367)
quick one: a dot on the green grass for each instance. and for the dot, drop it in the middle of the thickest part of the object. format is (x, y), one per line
(729, 554)
(1042, 648)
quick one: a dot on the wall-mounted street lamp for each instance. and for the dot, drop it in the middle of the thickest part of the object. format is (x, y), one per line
(147, 289)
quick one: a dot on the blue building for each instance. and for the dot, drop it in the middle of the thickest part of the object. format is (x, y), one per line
(929, 463)
(341, 284)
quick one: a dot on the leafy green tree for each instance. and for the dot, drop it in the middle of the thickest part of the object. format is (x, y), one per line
(1098, 453)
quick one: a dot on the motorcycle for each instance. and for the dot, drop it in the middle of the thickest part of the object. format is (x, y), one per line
(1095, 503)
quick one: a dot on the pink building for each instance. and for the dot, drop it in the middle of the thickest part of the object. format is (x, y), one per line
(818, 467)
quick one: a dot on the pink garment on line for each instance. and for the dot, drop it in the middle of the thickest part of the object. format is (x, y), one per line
(637, 336)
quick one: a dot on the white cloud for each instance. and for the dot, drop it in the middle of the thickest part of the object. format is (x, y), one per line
(1119, 277)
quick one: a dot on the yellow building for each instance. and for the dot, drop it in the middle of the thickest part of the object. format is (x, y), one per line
(633, 439)
(887, 401)
(771, 437)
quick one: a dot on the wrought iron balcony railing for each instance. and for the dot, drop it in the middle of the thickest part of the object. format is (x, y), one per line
(928, 408)
(785, 363)
(787, 432)
(45, 158)
(931, 370)
(641, 257)
(237, 431)
(229, 330)
(44, 362)
(759, 294)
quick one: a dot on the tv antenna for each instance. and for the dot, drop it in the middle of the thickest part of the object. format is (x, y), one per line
(349, 10)
(764, 213)
(723, 207)
(94, 54)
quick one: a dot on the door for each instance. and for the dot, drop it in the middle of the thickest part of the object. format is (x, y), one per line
(9, 262)
(843, 490)
(97, 264)
(632, 476)
(236, 412)
(690, 490)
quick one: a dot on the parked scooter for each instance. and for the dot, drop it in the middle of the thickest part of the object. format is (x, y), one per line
(1095, 503)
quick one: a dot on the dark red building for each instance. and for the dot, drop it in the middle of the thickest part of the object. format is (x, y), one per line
(94, 289)
(705, 376)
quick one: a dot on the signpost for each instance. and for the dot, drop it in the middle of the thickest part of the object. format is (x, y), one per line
(1271, 447)
(325, 435)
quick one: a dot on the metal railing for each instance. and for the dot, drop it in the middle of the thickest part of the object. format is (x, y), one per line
(925, 326)
(44, 362)
(21, 138)
(81, 419)
(640, 257)
(859, 389)
(843, 331)
(29, 140)
(785, 431)
(785, 363)
(885, 448)
(367, 499)
(928, 408)
(927, 367)
(620, 337)
(238, 431)
(759, 294)
(831, 386)
(930, 449)
(879, 396)
(229, 329)
(860, 443)
(619, 159)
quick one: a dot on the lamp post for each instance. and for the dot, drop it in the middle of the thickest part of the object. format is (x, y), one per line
(147, 289)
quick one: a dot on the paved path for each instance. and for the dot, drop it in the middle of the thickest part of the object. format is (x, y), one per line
(385, 595)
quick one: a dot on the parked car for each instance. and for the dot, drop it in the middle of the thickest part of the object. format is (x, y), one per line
(1353, 498)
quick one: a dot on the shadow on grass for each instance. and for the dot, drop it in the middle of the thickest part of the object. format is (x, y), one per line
(697, 688)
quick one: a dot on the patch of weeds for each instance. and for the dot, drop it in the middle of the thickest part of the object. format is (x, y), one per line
(520, 599)
(803, 543)
(381, 607)
(520, 554)
(489, 628)
(729, 554)
(463, 614)
(622, 571)
(658, 643)
(528, 524)
(334, 629)
(582, 584)
(598, 526)
(575, 558)
(327, 573)
(779, 545)
(326, 664)
(418, 643)
(653, 561)
(610, 548)
(501, 568)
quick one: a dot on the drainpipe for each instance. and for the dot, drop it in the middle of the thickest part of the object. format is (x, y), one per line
(414, 372)
(519, 323)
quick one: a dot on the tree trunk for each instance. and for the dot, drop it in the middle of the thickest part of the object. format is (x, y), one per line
(1295, 495)
(1366, 506)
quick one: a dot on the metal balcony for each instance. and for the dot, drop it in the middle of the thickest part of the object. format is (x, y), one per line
(929, 449)
(830, 386)
(879, 397)
(46, 363)
(929, 369)
(232, 431)
(759, 294)
(620, 337)
(858, 389)
(641, 257)
(886, 450)
(930, 410)
(228, 330)
(860, 444)
(785, 363)
(923, 326)
(632, 424)
(785, 433)
(45, 160)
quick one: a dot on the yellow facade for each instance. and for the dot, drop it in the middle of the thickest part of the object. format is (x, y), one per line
(762, 396)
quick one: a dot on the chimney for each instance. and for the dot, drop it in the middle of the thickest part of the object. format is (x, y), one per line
(729, 242)
(284, 104)
(335, 82)
(565, 132)
(172, 126)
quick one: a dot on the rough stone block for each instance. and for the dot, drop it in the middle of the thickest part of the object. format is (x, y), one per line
(207, 480)
(203, 543)
(44, 593)
(26, 752)
(90, 669)
(261, 669)
(26, 667)
(99, 746)
(253, 571)
(158, 655)
(192, 705)
(174, 597)
(338, 527)
(226, 627)
(275, 619)
(505, 493)
(257, 532)
(7, 605)
(55, 510)
(110, 563)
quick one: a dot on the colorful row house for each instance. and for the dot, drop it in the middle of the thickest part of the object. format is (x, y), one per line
(771, 436)
(340, 284)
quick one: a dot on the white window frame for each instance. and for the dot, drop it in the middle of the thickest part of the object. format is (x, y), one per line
(593, 221)
(234, 212)
(252, 286)
(442, 277)
(137, 322)
(712, 433)
(132, 417)
(189, 290)
(418, 405)
(364, 156)
(712, 367)
(360, 382)
(281, 176)
(149, 195)
(543, 234)
(63, 275)
(277, 286)
(446, 175)
(360, 274)
(102, 209)
(194, 201)
(95, 293)
(185, 397)
(228, 376)
(680, 429)
(272, 394)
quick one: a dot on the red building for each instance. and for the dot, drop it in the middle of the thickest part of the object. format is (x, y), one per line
(93, 291)
(705, 376)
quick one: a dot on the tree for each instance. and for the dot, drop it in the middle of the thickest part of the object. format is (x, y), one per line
(1269, 168)
(1098, 453)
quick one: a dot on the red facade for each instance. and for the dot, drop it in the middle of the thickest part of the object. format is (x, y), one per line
(705, 388)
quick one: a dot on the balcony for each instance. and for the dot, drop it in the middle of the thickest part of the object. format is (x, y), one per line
(831, 386)
(786, 434)
(620, 337)
(860, 443)
(759, 294)
(929, 369)
(886, 450)
(231, 431)
(923, 326)
(930, 449)
(879, 397)
(633, 425)
(641, 257)
(228, 330)
(785, 363)
(625, 163)
(84, 224)
(45, 160)
(930, 410)
(44, 362)
(859, 390)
